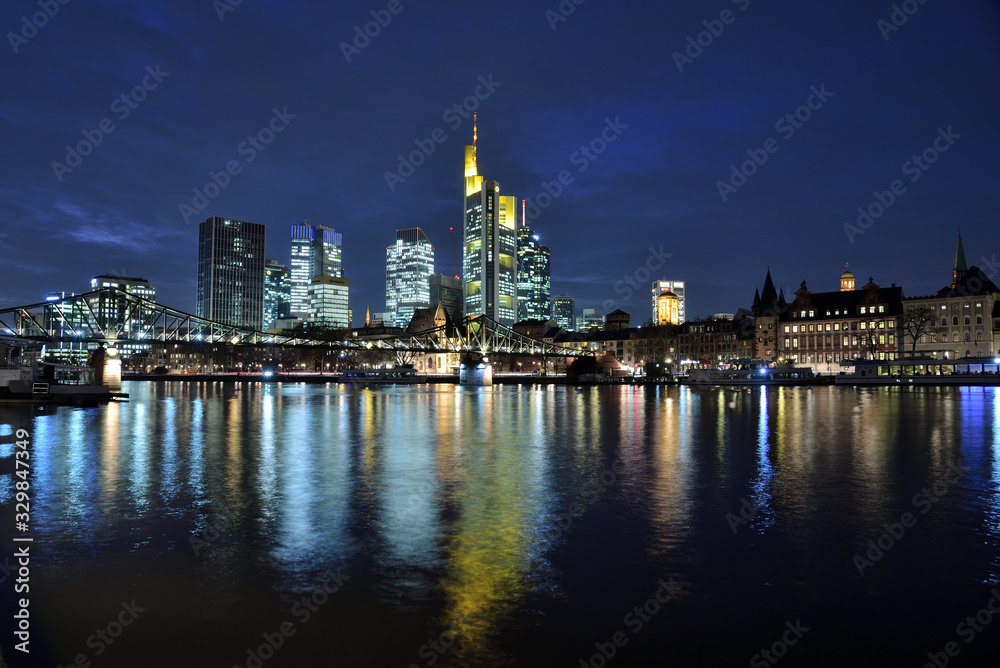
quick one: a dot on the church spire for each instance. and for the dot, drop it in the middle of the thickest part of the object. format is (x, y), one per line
(960, 267)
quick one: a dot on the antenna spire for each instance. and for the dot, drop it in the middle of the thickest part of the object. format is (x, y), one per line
(473, 128)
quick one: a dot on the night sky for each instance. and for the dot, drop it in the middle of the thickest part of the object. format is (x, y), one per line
(680, 114)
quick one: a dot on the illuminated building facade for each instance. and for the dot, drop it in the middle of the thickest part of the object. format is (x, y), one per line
(667, 309)
(409, 264)
(564, 312)
(534, 282)
(489, 245)
(116, 313)
(676, 287)
(277, 293)
(329, 301)
(231, 272)
(316, 251)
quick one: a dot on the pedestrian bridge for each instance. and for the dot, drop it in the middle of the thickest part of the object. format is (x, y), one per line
(112, 316)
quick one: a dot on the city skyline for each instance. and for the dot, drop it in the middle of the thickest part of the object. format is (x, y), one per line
(706, 154)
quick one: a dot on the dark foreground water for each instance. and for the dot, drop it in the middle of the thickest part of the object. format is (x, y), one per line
(293, 525)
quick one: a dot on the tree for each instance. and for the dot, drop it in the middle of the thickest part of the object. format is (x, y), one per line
(919, 319)
(869, 337)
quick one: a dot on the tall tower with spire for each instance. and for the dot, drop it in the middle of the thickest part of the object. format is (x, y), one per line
(960, 267)
(489, 244)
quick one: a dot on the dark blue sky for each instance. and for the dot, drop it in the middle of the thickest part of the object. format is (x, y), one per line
(885, 96)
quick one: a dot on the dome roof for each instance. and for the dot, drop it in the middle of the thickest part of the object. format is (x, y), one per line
(847, 272)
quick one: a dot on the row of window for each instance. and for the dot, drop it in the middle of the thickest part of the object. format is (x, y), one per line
(844, 341)
(865, 310)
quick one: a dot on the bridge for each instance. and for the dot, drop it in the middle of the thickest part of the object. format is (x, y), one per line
(112, 316)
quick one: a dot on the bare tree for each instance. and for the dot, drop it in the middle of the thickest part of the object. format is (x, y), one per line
(404, 357)
(869, 338)
(919, 319)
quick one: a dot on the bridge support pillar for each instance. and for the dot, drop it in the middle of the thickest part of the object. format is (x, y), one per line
(475, 370)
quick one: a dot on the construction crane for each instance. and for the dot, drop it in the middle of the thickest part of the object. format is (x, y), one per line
(453, 250)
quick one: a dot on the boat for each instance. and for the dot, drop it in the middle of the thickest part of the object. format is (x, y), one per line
(924, 371)
(25, 378)
(755, 372)
(400, 375)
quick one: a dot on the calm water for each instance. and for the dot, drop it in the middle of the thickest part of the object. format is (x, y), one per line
(509, 526)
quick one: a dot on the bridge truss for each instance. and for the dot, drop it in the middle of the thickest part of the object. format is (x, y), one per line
(113, 316)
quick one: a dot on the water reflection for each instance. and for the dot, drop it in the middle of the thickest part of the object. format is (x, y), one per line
(441, 500)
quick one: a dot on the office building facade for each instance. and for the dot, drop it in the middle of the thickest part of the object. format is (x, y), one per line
(409, 264)
(329, 302)
(564, 312)
(534, 281)
(317, 250)
(489, 245)
(277, 293)
(231, 272)
(447, 291)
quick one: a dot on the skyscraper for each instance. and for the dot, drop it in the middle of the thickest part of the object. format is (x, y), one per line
(489, 248)
(231, 272)
(534, 283)
(447, 291)
(564, 312)
(277, 293)
(316, 251)
(676, 287)
(329, 301)
(409, 264)
(117, 314)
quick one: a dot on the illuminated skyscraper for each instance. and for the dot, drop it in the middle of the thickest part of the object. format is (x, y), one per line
(409, 264)
(277, 292)
(316, 251)
(534, 283)
(676, 287)
(489, 248)
(447, 291)
(564, 312)
(231, 272)
(116, 313)
(329, 302)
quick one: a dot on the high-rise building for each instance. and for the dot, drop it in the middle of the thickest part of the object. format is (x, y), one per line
(564, 312)
(117, 314)
(409, 264)
(231, 272)
(591, 320)
(676, 287)
(534, 282)
(316, 251)
(329, 301)
(277, 293)
(489, 248)
(447, 291)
